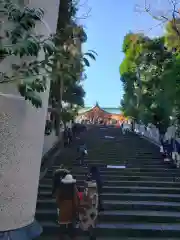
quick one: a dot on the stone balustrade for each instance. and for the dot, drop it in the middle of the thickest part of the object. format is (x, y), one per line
(171, 146)
(150, 132)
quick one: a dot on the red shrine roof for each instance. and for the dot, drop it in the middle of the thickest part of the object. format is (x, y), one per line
(99, 112)
(105, 110)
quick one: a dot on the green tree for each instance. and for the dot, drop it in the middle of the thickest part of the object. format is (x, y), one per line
(69, 63)
(19, 40)
(128, 70)
(146, 77)
(154, 61)
(164, 74)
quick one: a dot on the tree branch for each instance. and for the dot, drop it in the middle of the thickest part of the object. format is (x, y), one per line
(163, 18)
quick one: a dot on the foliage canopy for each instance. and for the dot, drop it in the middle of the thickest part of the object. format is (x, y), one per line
(150, 75)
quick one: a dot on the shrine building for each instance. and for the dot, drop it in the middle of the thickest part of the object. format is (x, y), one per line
(98, 114)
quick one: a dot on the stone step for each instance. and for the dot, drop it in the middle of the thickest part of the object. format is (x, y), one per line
(157, 167)
(106, 170)
(46, 237)
(128, 165)
(116, 161)
(125, 157)
(129, 189)
(114, 154)
(117, 148)
(128, 196)
(125, 173)
(144, 164)
(145, 155)
(127, 162)
(136, 189)
(121, 149)
(138, 230)
(136, 173)
(48, 180)
(130, 183)
(122, 205)
(133, 216)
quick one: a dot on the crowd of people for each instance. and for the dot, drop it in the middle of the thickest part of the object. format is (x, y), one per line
(77, 206)
(71, 133)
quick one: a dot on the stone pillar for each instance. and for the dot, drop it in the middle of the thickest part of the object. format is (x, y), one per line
(21, 140)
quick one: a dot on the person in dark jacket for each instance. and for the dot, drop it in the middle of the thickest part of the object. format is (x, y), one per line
(82, 152)
(65, 137)
(74, 130)
(70, 136)
(94, 174)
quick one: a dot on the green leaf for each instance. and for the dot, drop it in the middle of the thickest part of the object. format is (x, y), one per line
(27, 92)
(93, 52)
(49, 47)
(90, 55)
(86, 62)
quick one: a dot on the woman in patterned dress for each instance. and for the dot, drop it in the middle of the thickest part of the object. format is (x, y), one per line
(89, 209)
(94, 175)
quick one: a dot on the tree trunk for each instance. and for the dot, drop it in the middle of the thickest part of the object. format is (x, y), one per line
(63, 20)
(64, 15)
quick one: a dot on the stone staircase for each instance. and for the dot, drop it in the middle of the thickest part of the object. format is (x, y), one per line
(141, 201)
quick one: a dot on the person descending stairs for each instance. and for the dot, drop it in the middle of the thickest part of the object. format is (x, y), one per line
(141, 194)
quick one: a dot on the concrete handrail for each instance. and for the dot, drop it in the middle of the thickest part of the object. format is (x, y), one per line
(171, 147)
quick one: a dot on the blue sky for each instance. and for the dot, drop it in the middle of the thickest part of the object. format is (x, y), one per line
(106, 26)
